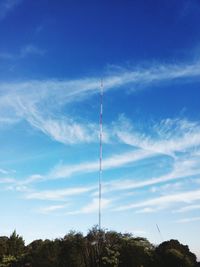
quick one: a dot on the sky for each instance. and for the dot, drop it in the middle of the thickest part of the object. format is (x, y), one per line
(53, 55)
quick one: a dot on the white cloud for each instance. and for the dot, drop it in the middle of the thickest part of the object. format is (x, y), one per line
(189, 208)
(156, 73)
(115, 161)
(8, 121)
(170, 135)
(36, 101)
(7, 180)
(59, 128)
(64, 130)
(147, 210)
(2, 171)
(181, 169)
(197, 181)
(65, 171)
(24, 52)
(50, 209)
(168, 186)
(183, 197)
(92, 207)
(188, 220)
(59, 194)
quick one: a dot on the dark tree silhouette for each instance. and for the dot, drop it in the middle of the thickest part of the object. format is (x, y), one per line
(96, 249)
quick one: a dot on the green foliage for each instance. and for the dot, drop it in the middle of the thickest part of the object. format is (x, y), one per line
(172, 253)
(8, 261)
(96, 249)
(72, 250)
(135, 252)
(110, 257)
(43, 253)
(3, 246)
(15, 245)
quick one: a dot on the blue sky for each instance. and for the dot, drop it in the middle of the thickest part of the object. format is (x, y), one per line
(52, 58)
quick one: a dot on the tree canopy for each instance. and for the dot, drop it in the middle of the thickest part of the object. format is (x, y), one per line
(96, 249)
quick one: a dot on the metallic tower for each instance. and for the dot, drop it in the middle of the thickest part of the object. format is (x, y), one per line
(100, 148)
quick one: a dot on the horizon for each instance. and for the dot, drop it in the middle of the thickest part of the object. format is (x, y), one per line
(53, 57)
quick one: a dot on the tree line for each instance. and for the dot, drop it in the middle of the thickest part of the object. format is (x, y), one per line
(96, 249)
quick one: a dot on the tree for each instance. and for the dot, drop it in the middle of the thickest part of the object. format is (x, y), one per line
(135, 252)
(172, 253)
(98, 248)
(8, 261)
(43, 253)
(3, 246)
(15, 245)
(72, 250)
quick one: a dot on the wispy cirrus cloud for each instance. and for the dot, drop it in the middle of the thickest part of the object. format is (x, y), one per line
(92, 206)
(7, 181)
(188, 220)
(51, 209)
(32, 100)
(183, 197)
(65, 171)
(150, 209)
(2, 171)
(188, 208)
(24, 51)
(181, 169)
(59, 194)
(64, 130)
(166, 137)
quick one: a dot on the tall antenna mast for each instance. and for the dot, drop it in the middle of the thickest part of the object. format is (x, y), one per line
(100, 148)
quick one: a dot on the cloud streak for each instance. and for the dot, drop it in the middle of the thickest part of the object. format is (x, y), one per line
(32, 100)
(64, 130)
(7, 181)
(170, 135)
(51, 209)
(183, 197)
(182, 168)
(65, 171)
(2, 171)
(188, 220)
(59, 194)
(189, 208)
(92, 207)
(25, 51)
